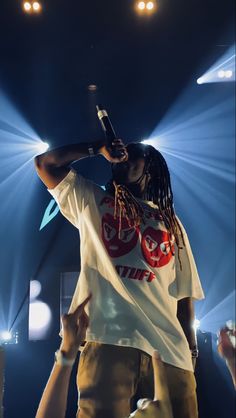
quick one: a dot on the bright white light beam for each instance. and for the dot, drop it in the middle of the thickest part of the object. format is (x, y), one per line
(196, 324)
(222, 71)
(42, 146)
(5, 335)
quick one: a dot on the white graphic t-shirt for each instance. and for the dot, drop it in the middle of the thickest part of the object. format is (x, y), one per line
(134, 277)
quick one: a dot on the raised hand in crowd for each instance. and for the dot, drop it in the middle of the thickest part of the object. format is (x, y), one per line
(227, 349)
(54, 399)
(160, 407)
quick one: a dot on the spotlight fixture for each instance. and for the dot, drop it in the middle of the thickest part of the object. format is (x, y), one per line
(7, 337)
(141, 5)
(223, 70)
(228, 73)
(221, 73)
(27, 6)
(32, 7)
(39, 147)
(225, 73)
(200, 80)
(146, 6)
(196, 324)
(150, 5)
(43, 146)
(36, 6)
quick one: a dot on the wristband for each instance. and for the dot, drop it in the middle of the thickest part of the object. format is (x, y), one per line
(62, 360)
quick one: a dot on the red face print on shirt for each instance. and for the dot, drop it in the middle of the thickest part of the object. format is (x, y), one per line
(156, 248)
(118, 246)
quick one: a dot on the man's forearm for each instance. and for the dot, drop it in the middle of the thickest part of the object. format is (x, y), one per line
(67, 154)
(54, 165)
(54, 398)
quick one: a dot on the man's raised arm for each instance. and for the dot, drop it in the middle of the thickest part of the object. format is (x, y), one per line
(54, 165)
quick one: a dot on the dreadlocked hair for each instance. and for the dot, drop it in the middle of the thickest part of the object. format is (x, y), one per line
(158, 190)
(127, 206)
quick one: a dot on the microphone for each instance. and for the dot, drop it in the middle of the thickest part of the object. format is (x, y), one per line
(108, 130)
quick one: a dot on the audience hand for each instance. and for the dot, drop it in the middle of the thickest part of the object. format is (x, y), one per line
(160, 407)
(227, 349)
(225, 346)
(74, 327)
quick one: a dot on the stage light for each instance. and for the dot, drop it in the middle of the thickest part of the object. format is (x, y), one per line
(39, 147)
(200, 80)
(5, 336)
(228, 74)
(40, 315)
(146, 7)
(27, 6)
(221, 73)
(32, 7)
(225, 74)
(153, 141)
(42, 146)
(141, 5)
(196, 324)
(40, 318)
(35, 289)
(150, 5)
(36, 6)
(8, 337)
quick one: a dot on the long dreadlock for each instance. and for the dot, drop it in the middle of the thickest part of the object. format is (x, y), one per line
(157, 189)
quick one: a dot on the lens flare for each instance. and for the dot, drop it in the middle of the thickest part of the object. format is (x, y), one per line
(43, 146)
(222, 71)
(27, 6)
(36, 6)
(141, 5)
(196, 324)
(150, 5)
(228, 73)
(5, 335)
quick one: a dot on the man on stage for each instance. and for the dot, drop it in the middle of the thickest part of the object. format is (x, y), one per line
(137, 262)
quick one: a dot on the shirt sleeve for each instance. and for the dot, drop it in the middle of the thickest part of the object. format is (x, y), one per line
(72, 195)
(187, 279)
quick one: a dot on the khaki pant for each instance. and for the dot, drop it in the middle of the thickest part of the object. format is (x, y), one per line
(111, 378)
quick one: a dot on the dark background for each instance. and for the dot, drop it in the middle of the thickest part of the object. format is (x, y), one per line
(142, 66)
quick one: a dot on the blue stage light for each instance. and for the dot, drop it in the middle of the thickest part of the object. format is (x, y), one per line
(223, 70)
(8, 337)
(42, 146)
(196, 324)
(5, 335)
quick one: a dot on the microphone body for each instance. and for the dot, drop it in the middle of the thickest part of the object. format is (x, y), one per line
(108, 130)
